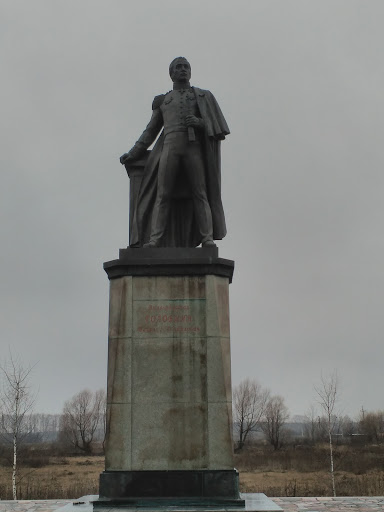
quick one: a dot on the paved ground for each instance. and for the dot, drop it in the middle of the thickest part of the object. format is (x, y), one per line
(32, 506)
(358, 504)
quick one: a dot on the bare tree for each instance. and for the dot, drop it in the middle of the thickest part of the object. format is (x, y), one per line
(327, 393)
(81, 418)
(311, 425)
(345, 426)
(274, 419)
(42, 427)
(249, 400)
(17, 400)
(372, 425)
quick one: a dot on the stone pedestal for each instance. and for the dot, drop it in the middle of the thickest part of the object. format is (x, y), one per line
(169, 413)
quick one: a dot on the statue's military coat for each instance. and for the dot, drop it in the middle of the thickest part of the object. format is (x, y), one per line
(181, 230)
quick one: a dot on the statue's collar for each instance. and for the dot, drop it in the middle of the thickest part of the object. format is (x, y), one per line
(181, 85)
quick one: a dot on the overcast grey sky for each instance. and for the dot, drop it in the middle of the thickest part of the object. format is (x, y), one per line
(301, 86)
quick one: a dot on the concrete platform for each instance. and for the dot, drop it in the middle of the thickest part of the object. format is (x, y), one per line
(312, 504)
(253, 503)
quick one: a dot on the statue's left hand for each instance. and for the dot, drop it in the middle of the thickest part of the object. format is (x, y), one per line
(194, 121)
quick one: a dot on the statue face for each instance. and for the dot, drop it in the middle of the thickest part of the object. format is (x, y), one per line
(181, 71)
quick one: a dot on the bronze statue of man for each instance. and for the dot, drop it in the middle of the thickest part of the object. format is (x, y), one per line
(179, 202)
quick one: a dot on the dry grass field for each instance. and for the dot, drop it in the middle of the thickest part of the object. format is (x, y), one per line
(304, 470)
(62, 477)
(317, 483)
(300, 471)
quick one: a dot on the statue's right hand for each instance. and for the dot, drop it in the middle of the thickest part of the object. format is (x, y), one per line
(134, 154)
(125, 158)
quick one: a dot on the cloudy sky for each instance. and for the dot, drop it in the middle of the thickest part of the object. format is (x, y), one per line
(301, 86)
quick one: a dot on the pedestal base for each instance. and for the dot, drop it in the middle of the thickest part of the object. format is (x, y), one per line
(204, 485)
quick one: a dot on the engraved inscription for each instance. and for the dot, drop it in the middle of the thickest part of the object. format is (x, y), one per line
(167, 318)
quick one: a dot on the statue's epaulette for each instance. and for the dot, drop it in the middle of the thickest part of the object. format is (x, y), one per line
(157, 101)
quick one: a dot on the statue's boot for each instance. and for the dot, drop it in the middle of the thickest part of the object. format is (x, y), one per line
(208, 243)
(150, 245)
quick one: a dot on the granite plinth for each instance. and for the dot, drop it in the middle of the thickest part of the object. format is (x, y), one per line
(169, 382)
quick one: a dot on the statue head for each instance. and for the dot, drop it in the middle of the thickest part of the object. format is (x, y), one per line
(180, 70)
